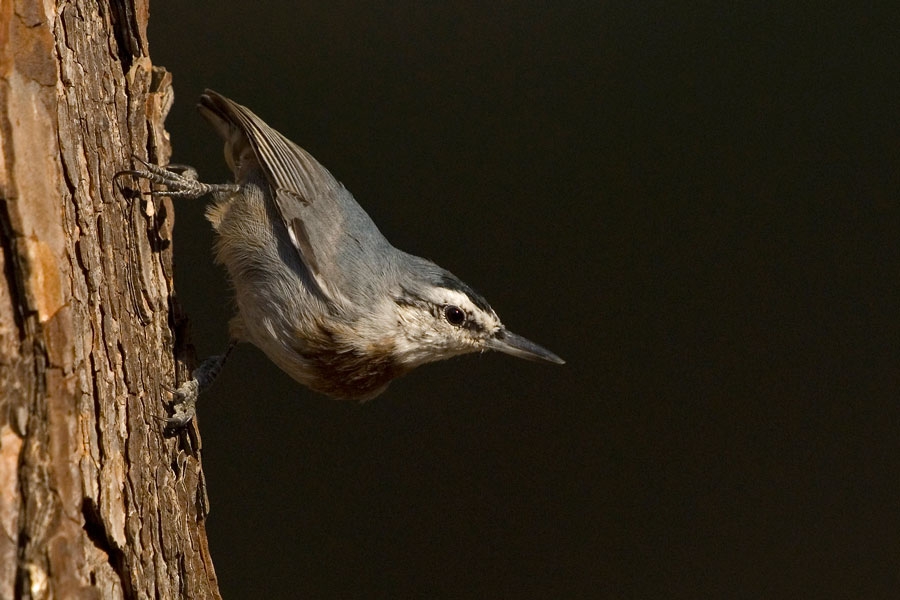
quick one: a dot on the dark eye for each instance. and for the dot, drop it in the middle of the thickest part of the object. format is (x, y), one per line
(454, 315)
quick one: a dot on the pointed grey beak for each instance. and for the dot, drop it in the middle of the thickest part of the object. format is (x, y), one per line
(515, 345)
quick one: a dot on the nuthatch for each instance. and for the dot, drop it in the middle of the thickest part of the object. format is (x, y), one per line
(319, 290)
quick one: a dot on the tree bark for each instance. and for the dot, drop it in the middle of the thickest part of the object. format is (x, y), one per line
(94, 501)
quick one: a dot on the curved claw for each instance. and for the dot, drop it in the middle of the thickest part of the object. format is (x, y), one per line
(176, 423)
(126, 191)
(184, 398)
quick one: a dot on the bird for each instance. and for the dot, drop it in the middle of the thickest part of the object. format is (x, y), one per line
(317, 286)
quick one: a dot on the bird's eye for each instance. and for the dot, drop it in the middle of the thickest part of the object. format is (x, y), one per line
(454, 315)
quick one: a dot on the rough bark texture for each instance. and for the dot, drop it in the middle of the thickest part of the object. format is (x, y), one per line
(94, 501)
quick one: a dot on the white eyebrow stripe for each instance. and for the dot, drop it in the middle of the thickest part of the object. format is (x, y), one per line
(457, 299)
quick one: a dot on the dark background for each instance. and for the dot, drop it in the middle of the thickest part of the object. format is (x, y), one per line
(695, 204)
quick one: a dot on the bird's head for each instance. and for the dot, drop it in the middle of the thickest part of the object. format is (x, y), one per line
(438, 316)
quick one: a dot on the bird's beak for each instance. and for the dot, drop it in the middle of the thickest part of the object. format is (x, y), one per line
(515, 345)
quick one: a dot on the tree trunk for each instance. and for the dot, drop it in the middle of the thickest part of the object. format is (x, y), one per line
(94, 501)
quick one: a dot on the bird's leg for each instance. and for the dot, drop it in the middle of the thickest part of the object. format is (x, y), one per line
(185, 397)
(181, 181)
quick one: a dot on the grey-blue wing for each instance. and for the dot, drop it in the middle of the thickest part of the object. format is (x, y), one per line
(332, 234)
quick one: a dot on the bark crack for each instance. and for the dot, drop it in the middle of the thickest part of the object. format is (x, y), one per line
(95, 528)
(13, 268)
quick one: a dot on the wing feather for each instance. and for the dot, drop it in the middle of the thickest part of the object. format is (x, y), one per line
(323, 220)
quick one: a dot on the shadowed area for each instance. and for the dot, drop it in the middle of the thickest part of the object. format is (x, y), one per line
(697, 207)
